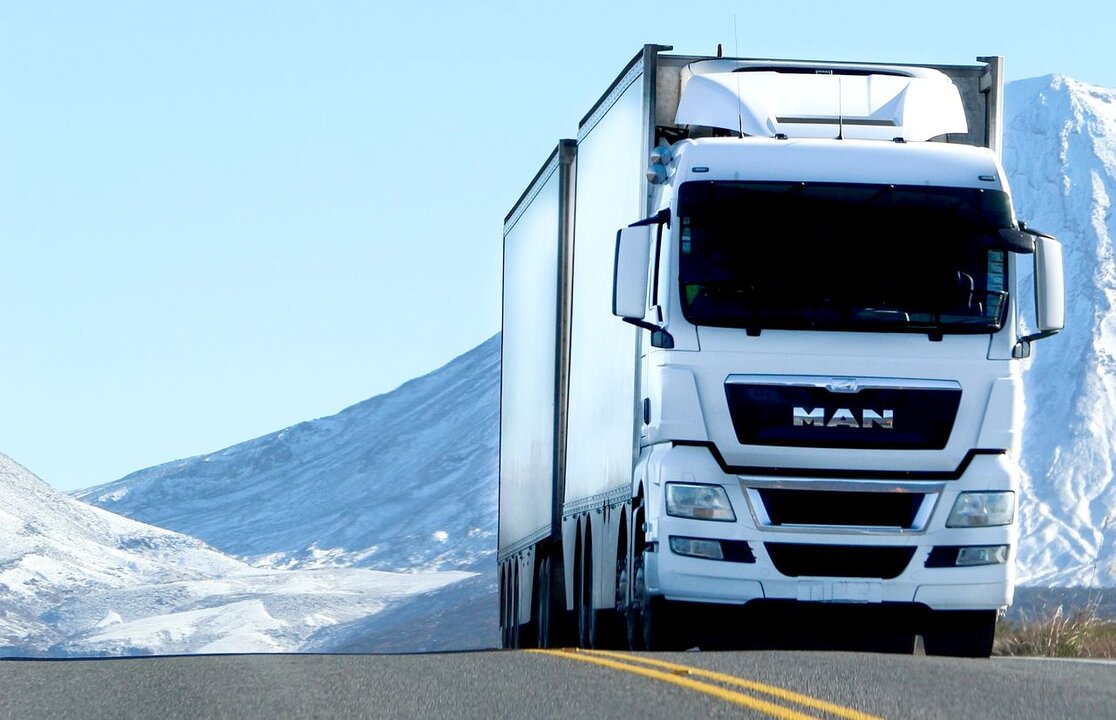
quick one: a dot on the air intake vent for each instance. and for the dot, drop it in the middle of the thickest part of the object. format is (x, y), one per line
(823, 507)
(859, 561)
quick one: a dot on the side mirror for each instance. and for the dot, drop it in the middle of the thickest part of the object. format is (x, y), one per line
(1050, 301)
(629, 279)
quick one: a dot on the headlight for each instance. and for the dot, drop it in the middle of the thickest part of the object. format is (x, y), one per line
(701, 502)
(982, 509)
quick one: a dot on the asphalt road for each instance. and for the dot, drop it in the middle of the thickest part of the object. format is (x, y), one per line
(557, 684)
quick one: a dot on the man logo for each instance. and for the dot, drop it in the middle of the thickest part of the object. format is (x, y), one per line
(843, 417)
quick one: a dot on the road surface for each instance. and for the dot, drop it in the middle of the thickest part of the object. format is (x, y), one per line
(558, 684)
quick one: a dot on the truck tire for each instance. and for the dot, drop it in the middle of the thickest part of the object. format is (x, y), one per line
(633, 627)
(890, 642)
(505, 610)
(544, 630)
(658, 628)
(513, 626)
(897, 643)
(960, 633)
(583, 603)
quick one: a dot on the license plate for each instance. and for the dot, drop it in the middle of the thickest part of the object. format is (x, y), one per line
(840, 591)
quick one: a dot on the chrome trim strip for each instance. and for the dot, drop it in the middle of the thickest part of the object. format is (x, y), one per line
(756, 506)
(525, 544)
(929, 504)
(880, 486)
(931, 492)
(842, 382)
(615, 496)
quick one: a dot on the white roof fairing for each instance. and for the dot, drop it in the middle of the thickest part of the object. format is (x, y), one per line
(848, 161)
(861, 102)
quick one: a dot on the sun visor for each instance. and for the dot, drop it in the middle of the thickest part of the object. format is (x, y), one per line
(807, 105)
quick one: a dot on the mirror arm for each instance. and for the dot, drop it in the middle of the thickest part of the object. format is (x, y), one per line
(1038, 336)
(640, 323)
(1023, 345)
(660, 218)
(660, 338)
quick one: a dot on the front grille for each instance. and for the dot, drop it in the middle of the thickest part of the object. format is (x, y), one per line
(859, 561)
(826, 507)
(891, 418)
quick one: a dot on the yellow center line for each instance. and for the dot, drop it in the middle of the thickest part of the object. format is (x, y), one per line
(732, 696)
(773, 690)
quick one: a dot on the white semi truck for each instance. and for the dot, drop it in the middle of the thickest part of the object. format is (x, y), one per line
(763, 326)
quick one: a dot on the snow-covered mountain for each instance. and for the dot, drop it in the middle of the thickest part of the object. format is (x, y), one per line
(408, 479)
(403, 481)
(78, 580)
(1060, 155)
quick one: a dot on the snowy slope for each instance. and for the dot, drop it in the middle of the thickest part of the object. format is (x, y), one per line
(1060, 155)
(404, 481)
(52, 547)
(408, 479)
(77, 580)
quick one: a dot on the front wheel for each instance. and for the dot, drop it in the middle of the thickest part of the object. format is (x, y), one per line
(895, 643)
(656, 626)
(960, 633)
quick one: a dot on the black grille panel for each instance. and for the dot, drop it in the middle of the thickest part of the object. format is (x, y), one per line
(859, 561)
(763, 414)
(825, 507)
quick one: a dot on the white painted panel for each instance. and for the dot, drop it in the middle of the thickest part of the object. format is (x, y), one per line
(528, 371)
(601, 429)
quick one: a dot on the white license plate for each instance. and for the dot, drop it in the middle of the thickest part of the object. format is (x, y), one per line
(840, 591)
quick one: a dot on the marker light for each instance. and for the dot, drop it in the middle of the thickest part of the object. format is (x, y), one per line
(662, 154)
(700, 502)
(982, 509)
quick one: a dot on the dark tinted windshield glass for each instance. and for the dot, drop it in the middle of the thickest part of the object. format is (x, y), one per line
(842, 257)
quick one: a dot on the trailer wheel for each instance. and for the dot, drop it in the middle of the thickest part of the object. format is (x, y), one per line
(543, 632)
(505, 609)
(586, 617)
(960, 633)
(513, 626)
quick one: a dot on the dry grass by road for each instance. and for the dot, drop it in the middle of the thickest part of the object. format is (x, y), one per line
(1058, 633)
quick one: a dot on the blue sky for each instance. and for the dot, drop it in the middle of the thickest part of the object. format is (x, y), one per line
(220, 219)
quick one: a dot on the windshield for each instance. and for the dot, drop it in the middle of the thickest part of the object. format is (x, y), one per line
(831, 256)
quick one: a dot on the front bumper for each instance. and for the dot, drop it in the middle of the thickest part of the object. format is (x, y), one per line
(693, 579)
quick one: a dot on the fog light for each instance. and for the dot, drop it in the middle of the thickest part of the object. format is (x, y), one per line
(947, 556)
(696, 547)
(984, 555)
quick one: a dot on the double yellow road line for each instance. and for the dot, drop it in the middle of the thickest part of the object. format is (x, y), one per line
(715, 684)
